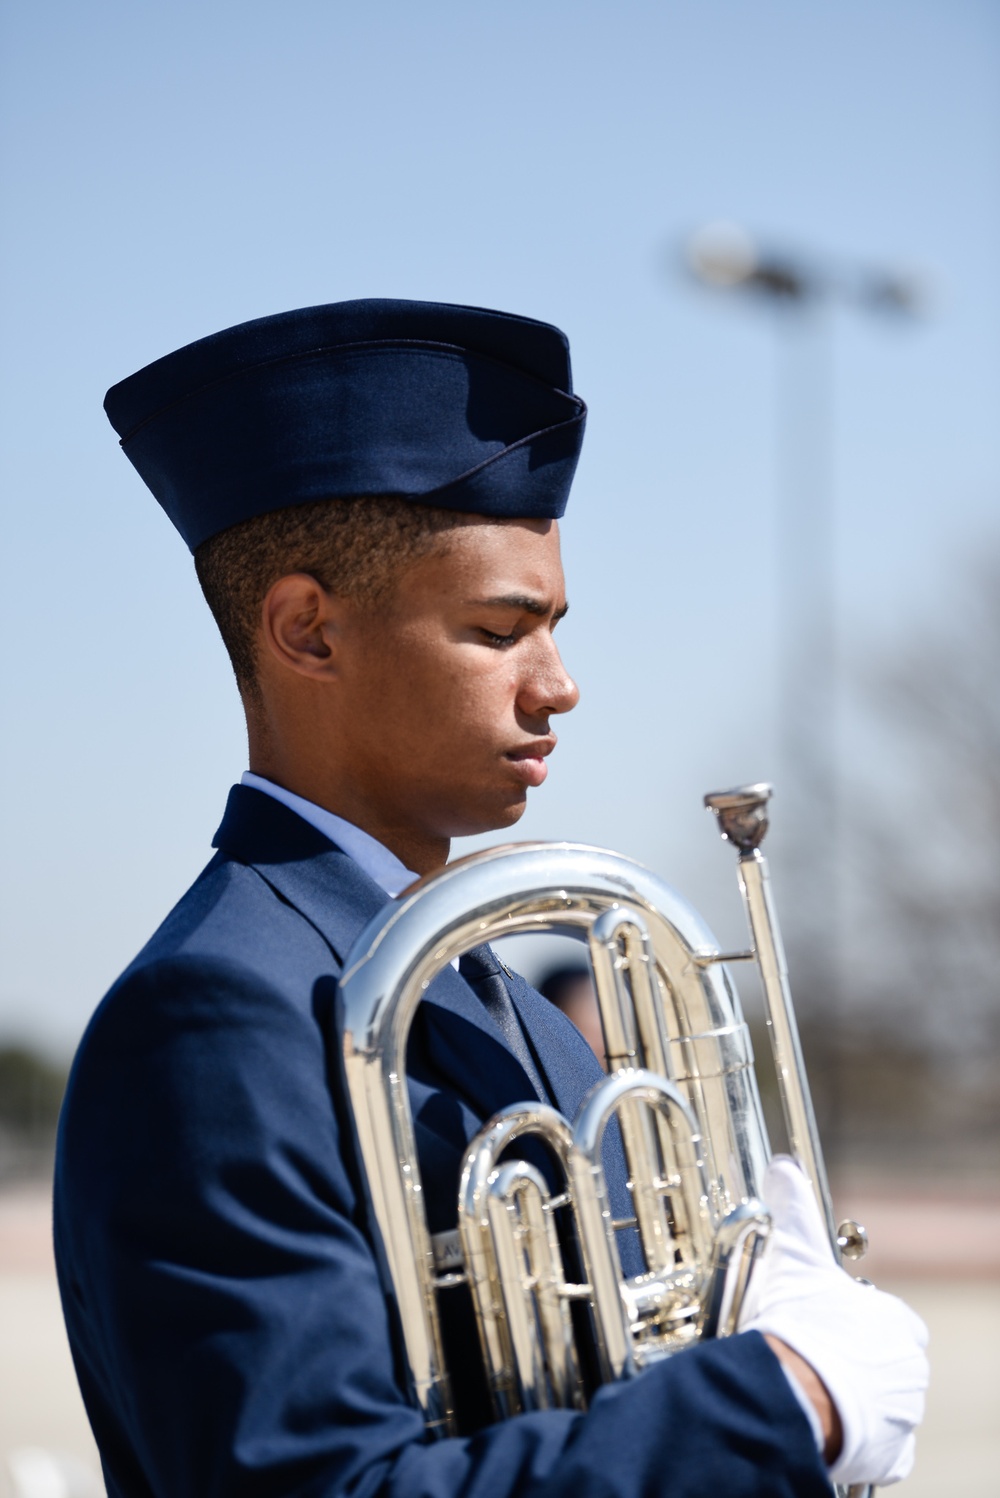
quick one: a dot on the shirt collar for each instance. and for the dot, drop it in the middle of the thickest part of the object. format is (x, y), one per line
(376, 860)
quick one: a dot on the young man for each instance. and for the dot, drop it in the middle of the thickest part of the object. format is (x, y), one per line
(371, 491)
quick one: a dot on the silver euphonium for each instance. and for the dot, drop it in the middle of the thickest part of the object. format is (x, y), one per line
(681, 1083)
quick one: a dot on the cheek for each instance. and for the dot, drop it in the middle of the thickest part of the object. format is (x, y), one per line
(484, 685)
(427, 688)
(463, 697)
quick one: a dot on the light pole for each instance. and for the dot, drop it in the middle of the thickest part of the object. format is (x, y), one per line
(800, 292)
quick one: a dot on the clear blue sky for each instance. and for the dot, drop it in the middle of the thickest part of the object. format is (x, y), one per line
(171, 169)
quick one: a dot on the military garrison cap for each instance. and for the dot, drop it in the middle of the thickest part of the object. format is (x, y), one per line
(456, 407)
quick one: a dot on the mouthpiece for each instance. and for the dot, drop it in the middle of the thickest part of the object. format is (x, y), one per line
(742, 814)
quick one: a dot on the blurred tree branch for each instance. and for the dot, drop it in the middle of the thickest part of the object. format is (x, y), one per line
(921, 926)
(31, 1092)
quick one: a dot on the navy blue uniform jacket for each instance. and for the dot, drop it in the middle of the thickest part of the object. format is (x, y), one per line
(229, 1329)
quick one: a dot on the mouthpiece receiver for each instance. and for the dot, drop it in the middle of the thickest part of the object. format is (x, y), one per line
(742, 814)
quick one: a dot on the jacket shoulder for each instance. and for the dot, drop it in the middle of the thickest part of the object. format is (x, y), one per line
(232, 960)
(232, 914)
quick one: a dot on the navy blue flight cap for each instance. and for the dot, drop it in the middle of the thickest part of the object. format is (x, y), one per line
(456, 407)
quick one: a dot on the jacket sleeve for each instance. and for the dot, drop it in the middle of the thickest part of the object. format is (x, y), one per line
(230, 1332)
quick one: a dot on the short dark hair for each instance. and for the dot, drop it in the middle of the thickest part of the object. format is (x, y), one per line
(557, 986)
(355, 547)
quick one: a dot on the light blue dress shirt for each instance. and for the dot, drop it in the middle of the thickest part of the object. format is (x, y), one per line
(378, 863)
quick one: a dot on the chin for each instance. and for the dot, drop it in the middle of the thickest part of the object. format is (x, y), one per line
(513, 815)
(496, 819)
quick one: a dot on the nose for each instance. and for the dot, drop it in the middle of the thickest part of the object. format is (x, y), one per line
(547, 686)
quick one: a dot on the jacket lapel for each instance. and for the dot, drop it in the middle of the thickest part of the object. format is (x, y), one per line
(338, 899)
(571, 1068)
(458, 1041)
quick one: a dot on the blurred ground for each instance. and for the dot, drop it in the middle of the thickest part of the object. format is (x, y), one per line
(939, 1248)
(40, 1407)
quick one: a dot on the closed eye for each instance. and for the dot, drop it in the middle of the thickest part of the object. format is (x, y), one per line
(500, 642)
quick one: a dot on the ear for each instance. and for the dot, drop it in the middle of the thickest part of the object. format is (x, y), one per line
(300, 623)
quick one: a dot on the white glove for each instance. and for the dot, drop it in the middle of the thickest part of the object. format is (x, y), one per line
(866, 1346)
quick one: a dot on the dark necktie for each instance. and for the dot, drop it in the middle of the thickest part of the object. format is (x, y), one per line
(481, 970)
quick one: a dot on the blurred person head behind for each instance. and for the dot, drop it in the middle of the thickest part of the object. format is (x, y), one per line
(571, 989)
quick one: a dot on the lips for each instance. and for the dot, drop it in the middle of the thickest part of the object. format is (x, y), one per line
(529, 761)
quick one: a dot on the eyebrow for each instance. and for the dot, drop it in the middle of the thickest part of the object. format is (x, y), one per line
(523, 602)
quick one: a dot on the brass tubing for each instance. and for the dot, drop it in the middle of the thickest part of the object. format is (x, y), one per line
(504, 1292)
(789, 1065)
(662, 941)
(635, 1036)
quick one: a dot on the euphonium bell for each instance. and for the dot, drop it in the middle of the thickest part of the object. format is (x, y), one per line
(681, 1084)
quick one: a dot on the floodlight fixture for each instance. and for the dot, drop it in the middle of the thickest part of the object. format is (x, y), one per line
(725, 257)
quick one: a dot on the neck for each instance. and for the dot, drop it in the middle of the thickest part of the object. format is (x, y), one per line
(415, 847)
